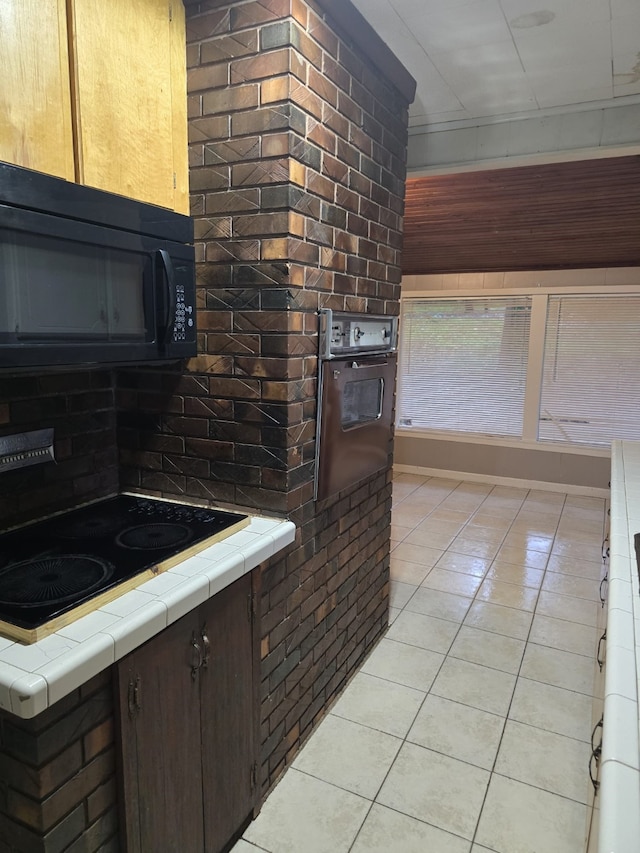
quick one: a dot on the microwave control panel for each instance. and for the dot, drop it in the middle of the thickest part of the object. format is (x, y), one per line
(184, 321)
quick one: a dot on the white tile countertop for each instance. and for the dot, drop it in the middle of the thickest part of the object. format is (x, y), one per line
(619, 792)
(34, 677)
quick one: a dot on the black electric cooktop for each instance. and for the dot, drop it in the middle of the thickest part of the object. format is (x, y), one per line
(53, 566)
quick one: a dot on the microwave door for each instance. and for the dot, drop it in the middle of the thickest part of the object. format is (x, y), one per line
(60, 295)
(75, 292)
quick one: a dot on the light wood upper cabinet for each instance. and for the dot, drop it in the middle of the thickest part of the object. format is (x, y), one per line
(95, 92)
(35, 106)
(130, 98)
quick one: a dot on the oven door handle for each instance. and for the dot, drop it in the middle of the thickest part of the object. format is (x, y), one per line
(356, 365)
(166, 328)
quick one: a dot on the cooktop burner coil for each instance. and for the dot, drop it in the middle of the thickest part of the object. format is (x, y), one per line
(144, 536)
(52, 580)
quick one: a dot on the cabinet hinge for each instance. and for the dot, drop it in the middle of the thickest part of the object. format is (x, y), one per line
(254, 775)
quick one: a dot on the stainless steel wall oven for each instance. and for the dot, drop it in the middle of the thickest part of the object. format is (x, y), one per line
(356, 383)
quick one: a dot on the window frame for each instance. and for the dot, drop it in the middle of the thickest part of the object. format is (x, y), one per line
(534, 375)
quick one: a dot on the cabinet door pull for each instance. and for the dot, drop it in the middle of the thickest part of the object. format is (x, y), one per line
(598, 725)
(207, 647)
(603, 598)
(197, 659)
(133, 696)
(603, 639)
(594, 755)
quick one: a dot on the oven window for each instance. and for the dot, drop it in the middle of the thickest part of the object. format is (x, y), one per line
(361, 402)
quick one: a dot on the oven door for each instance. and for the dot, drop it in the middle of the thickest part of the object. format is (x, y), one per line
(355, 413)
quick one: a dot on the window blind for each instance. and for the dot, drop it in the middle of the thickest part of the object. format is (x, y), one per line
(463, 364)
(591, 369)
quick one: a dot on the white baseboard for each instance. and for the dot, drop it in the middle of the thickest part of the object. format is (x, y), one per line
(565, 488)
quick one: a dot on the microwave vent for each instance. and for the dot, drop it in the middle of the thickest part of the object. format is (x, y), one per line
(26, 448)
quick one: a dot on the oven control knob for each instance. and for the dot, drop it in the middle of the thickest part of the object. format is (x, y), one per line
(357, 333)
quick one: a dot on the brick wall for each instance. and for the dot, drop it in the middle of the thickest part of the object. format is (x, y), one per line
(80, 407)
(297, 163)
(58, 786)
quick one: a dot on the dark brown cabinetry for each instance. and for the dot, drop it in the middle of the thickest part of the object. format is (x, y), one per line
(187, 717)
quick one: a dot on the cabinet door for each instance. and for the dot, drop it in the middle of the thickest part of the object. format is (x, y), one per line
(130, 98)
(161, 744)
(227, 714)
(35, 104)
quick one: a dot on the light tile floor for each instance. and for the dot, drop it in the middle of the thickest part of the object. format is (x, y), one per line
(467, 729)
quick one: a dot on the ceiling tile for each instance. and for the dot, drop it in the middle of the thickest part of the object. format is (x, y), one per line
(558, 45)
(625, 33)
(580, 96)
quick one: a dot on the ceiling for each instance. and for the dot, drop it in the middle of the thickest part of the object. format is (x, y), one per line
(485, 61)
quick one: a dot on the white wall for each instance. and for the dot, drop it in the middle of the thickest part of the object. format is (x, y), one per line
(580, 135)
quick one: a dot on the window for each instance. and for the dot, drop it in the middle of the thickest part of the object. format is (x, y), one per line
(463, 364)
(545, 367)
(591, 371)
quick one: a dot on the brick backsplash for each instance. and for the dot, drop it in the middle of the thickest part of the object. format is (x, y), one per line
(81, 409)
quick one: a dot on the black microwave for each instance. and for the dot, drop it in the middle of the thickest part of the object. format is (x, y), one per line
(89, 277)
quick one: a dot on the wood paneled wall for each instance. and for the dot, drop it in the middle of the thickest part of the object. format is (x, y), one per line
(552, 216)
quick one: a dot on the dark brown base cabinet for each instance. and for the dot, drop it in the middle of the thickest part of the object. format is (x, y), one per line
(187, 716)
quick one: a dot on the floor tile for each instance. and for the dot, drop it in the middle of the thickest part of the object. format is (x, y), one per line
(466, 564)
(379, 704)
(508, 594)
(459, 731)
(521, 556)
(501, 620)
(398, 533)
(386, 830)
(403, 664)
(480, 533)
(516, 574)
(418, 554)
(434, 534)
(571, 585)
(407, 517)
(406, 572)
(519, 818)
(349, 755)
(475, 685)
(455, 582)
(449, 516)
(488, 649)
(303, 813)
(433, 602)
(545, 759)
(554, 709)
(400, 593)
(558, 668)
(560, 634)
(528, 541)
(393, 614)
(432, 787)
(464, 545)
(568, 607)
(580, 568)
(427, 632)
(244, 847)
(485, 519)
